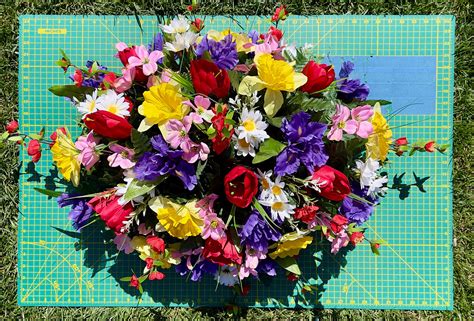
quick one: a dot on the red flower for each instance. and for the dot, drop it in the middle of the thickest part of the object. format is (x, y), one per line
(240, 186)
(292, 277)
(220, 142)
(78, 78)
(245, 289)
(156, 243)
(306, 214)
(402, 141)
(149, 262)
(54, 135)
(108, 125)
(208, 79)
(320, 76)
(34, 150)
(134, 282)
(110, 211)
(430, 147)
(280, 13)
(276, 33)
(221, 251)
(197, 25)
(334, 185)
(156, 275)
(109, 80)
(12, 127)
(337, 223)
(356, 237)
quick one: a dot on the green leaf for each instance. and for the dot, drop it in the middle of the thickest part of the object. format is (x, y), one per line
(268, 149)
(211, 132)
(289, 264)
(143, 278)
(374, 249)
(140, 288)
(126, 279)
(235, 78)
(48, 192)
(302, 101)
(200, 168)
(138, 188)
(373, 102)
(141, 142)
(275, 121)
(63, 53)
(4, 136)
(71, 91)
(15, 138)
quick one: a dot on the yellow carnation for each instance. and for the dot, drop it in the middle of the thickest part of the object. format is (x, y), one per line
(378, 143)
(65, 157)
(181, 221)
(291, 244)
(162, 103)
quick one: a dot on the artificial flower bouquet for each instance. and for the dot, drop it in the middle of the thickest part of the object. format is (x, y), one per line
(221, 154)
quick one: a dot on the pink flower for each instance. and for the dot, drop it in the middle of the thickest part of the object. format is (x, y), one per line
(88, 156)
(194, 151)
(145, 59)
(214, 227)
(341, 240)
(341, 122)
(123, 243)
(201, 109)
(268, 46)
(361, 115)
(245, 272)
(124, 83)
(252, 257)
(122, 157)
(177, 132)
(207, 204)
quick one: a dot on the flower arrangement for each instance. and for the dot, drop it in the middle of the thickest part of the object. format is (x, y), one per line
(222, 154)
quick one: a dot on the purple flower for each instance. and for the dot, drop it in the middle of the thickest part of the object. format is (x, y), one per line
(254, 35)
(256, 233)
(80, 210)
(223, 53)
(350, 89)
(196, 269)
(268, 267)
(305, 145)
(164, 161)
(92, 81)
(357, 211)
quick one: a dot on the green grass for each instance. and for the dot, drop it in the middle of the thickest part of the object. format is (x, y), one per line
(463, 178)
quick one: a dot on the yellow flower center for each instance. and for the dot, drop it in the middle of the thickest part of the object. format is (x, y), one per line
(278, 206)
(214, 224)
(249, 125)
(265, 183)
(341, 124)
(243, 143)
(113, 109)
(276, 190)
(92, 106)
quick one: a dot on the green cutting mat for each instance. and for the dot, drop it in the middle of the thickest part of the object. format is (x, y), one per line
(405, 57)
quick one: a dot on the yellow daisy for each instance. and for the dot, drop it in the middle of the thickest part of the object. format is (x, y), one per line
(275, 76)
(181, 221)
(378, 143)
(65, 157)
(162, 103)
(291, 244)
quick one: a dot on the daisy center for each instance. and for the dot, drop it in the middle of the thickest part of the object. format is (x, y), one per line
(278, 206)
(276, 190)
(113, 108)
(92, 106)
(265, 183)
(243, 143)
(249, 125)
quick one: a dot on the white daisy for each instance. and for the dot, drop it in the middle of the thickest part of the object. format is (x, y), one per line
(177, 25)
(89, 105)
(265, 179)
(252, 127)
(275, 191)
(181, 41)
(370, 178)
(114, 103)
(279, 209)
(228, 275)
(243, 148)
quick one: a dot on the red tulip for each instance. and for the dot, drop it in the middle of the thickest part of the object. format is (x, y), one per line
(221, 251)
(108, 125)
(156, 243)
(334, 184)
(110, 211)
(320, 76)
(240, 186)
(208, 79)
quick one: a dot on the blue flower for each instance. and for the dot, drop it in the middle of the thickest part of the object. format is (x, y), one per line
(80, 210)
(350, 89)
(357, 211)
(223, 53)
(198, 269)
(164, 161)
(267, 266)
(256, 233)
(305, 145)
